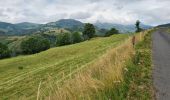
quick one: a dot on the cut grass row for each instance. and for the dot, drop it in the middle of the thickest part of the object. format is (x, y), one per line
(56, 63)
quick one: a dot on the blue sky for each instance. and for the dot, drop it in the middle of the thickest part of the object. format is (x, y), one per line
(152, 12)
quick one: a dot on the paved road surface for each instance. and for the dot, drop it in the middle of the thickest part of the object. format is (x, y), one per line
(161, 61)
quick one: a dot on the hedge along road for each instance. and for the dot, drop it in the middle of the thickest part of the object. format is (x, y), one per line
(161, 61)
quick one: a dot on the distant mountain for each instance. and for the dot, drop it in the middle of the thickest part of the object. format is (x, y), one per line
(146, 26)
(7, 28)
(18, 29)
(27, 25)
(4, 25)
(120, 27)
(29, 28)
(69, 24)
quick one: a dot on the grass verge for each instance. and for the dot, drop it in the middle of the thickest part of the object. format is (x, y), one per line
(137, 84)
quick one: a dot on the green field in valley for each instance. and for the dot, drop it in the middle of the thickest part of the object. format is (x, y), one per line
(20, 76)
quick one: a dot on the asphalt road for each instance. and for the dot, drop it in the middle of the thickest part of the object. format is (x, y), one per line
(161, 64)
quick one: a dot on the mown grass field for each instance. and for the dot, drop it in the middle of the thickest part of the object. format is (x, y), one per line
(20, 76)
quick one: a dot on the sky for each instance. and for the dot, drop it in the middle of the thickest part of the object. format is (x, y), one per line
(151, 12)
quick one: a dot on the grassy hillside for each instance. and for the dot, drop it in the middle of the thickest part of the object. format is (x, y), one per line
(13, 43)
(10, 39)
(20, 76)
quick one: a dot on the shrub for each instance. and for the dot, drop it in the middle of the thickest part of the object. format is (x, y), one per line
(76, 37)
(4, 51)
(64, 39)
(35, 44)
(20, 68)
(111, 32)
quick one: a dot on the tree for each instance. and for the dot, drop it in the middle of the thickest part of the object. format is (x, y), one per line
(4, 51)
(64, 39)
(76, 37)
(35, 44)
(138, 29)
(89, 31)
(111, 32)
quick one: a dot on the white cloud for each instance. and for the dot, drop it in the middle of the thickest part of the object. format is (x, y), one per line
(116, 11)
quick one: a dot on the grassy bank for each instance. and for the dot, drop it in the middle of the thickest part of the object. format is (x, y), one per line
(137, 84)
(168, 30)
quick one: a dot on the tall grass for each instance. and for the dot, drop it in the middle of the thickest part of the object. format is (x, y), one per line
(97, 80)
(139, 77)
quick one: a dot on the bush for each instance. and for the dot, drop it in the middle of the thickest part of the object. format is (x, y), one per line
(76, 37)
(64, 39)
(4, 51)
(35, 44)
(20, 68)
(111, 32)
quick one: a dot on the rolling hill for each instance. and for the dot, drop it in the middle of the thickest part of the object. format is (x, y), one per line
(69, 24)
(27, 25)
(164, 25)
(26, 28)
(7, 28)
(18, 29)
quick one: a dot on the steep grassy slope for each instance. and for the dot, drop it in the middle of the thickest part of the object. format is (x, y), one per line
(20, 76)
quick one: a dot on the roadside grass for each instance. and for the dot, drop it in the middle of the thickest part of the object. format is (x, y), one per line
(20, 76)
(138, 84)
(168, 30)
